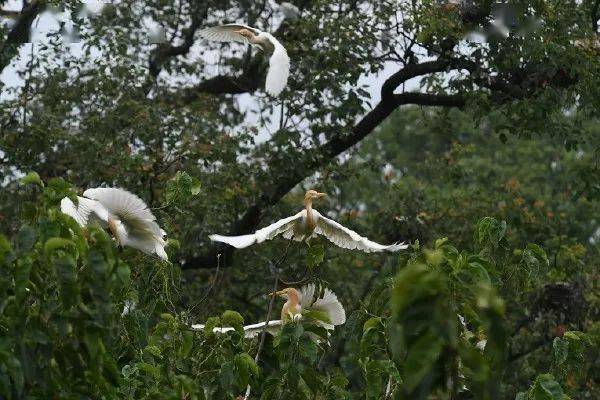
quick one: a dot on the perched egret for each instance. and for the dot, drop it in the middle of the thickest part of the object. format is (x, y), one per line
(279, 62)
(307, 224)
(307, 304)
(123, 213)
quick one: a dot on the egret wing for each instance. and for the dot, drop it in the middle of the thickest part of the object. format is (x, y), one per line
(250, 331)
(348, 239)
(141, 229)
(330, 305)
(84, 211)
(227, 33)
(279, 68)
(308, 293)
(266, 233)
(132, 210)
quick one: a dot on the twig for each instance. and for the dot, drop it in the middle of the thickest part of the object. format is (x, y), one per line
(269, 310)
(264, 330)
(211, 285)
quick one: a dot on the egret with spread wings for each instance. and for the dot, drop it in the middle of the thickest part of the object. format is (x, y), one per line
(307, 224)
(126, 215)
(309, 304)
(279, 62)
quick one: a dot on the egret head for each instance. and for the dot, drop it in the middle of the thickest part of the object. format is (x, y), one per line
(245, 33)
(313, 194)
(286, 293)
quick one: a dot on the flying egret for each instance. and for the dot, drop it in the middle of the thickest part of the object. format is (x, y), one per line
(279, 62)
(307, 224)
(123, 213)
(307, 304)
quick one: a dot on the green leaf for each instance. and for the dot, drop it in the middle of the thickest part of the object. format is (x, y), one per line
(153, 350)
(22, 276)
(308, 348)
(26, 238)
(65, 267)
(315, 255)
(534, 260)
(150, 369)
(5, 247)
(181, 188)
(233, 319)
(57, 243)
(545, 387)
(187, 343)
(32, 178)
(560, 349)
(211, 323)
(489, 232)
(244, 368)
(434, 257)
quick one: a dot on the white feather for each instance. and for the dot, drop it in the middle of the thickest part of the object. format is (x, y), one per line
(308, 293)
(227, 33)
(266, 233)
(348, 239)
(85, 212)
(250, 331)
(330, 304)
(136, 225)
(279, 67)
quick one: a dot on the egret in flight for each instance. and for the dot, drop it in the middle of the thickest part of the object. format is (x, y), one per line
(307, 224)
(318, 307)
(126, 215)
(279, 62)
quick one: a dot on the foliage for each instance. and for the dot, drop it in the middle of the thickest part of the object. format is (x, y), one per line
(491, 176)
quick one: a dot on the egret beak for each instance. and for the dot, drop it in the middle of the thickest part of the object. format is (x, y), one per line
(278, 293)
(319, 195)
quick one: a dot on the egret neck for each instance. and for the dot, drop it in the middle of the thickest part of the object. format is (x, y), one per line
(257, 40)
(310, 221)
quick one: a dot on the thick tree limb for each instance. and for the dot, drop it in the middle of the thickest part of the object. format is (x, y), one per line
(20, 32)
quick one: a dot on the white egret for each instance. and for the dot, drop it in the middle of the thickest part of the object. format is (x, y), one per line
(279, 62)
(307, 304)
(123, 213)
(307, 224)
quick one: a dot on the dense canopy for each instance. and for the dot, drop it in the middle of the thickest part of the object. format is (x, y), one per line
(467, 129)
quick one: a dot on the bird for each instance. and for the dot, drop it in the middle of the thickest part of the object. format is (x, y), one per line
(289, 10)
(279, 62)
(307, 224)
(126, 216)
(311, 304)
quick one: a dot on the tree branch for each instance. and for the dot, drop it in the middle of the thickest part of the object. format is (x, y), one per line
(20, 32)
(164, 51)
